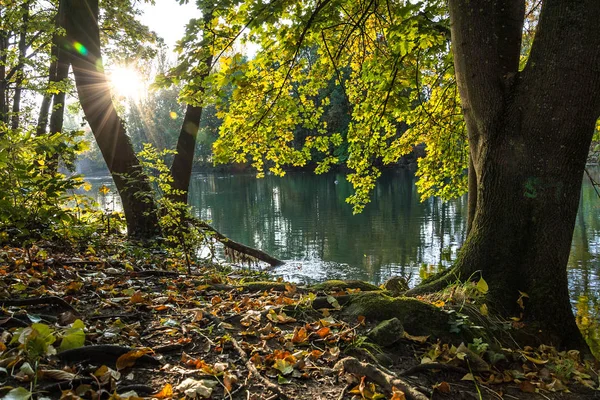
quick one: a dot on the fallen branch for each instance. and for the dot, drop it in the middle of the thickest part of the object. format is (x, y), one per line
(250, 365)
(383, 379)
(239, 247)
(37, 301)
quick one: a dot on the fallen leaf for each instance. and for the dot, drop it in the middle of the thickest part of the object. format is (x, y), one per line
(442, 387)
(323, 332)
(193, 388)
(535, 360)
(165, 393)
(128, 359)
(397, 394)
(527, 387)
(19, 393)
(300, 335)
(283, 366)
(57, 374)
(417, 339)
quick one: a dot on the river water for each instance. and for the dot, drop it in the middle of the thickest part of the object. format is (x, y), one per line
(303, 219)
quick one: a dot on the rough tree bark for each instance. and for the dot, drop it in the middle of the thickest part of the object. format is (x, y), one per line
(529, 134)
(83, 44)
(181, 169)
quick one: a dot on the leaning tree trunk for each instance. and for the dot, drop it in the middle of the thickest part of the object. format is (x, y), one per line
(83, 42)
(181, 170)
(529, 135)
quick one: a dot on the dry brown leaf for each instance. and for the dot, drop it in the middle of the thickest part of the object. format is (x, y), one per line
(443, 387)
(128, 359)
(417, 339)
(57, 374)
(527, 387)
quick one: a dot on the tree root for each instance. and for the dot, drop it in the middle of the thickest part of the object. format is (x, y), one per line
(238, 247)
(432, 366)
(37, 301)
(385, 380)
(250, 365)
(435, 285)
(103, 354)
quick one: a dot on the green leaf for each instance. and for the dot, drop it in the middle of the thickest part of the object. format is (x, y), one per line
(283, 366)
(19, 393)
(74, 337)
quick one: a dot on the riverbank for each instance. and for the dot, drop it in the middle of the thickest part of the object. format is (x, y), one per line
(227, 332)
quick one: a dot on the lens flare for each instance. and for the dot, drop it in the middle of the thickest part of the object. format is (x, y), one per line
(80, 48)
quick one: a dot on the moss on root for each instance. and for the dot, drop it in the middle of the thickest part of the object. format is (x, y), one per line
(263, 286)
(417, 317)
(342, 285)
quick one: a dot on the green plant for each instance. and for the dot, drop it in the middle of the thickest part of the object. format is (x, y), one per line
(37, 200)
(174, 217)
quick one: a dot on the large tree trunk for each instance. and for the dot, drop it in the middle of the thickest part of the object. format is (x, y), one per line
(181, 169)
(529, 135)
(109, 131)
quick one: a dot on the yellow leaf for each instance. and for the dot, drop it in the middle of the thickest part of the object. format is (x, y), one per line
(484, 310)
(535, 360)
(468, 377)
(482, 286)
(165, 393)
(87, 186)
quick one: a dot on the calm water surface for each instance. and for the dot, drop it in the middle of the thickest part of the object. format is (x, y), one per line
(304, 219)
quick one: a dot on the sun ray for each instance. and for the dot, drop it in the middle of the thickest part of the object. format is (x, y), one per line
(127, 82)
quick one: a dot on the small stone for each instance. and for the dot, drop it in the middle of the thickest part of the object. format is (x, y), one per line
(397, 285)
(387, 332)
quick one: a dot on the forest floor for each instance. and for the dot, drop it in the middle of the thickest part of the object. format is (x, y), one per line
(94, 326)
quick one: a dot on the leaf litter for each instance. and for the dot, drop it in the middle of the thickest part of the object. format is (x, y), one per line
(121, 327)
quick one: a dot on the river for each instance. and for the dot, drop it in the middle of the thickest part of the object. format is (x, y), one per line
(303, 219)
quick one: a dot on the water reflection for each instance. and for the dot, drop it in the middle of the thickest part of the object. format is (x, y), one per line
(304, 219)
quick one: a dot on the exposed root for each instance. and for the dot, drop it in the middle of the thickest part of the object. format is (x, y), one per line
(37, 301)
(433, 366)
(385, 380)
(435, 285)
(269, 385)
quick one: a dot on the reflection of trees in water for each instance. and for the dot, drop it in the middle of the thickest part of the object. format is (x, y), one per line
(304, 216)
(584, 267)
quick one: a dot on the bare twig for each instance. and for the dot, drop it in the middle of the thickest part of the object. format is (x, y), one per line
(250, 365)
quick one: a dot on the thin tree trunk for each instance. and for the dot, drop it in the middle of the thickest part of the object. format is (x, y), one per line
(58, 100)
(3, 82)
(16, 109)
(59, 57)
(109, 131)
(181, 169)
